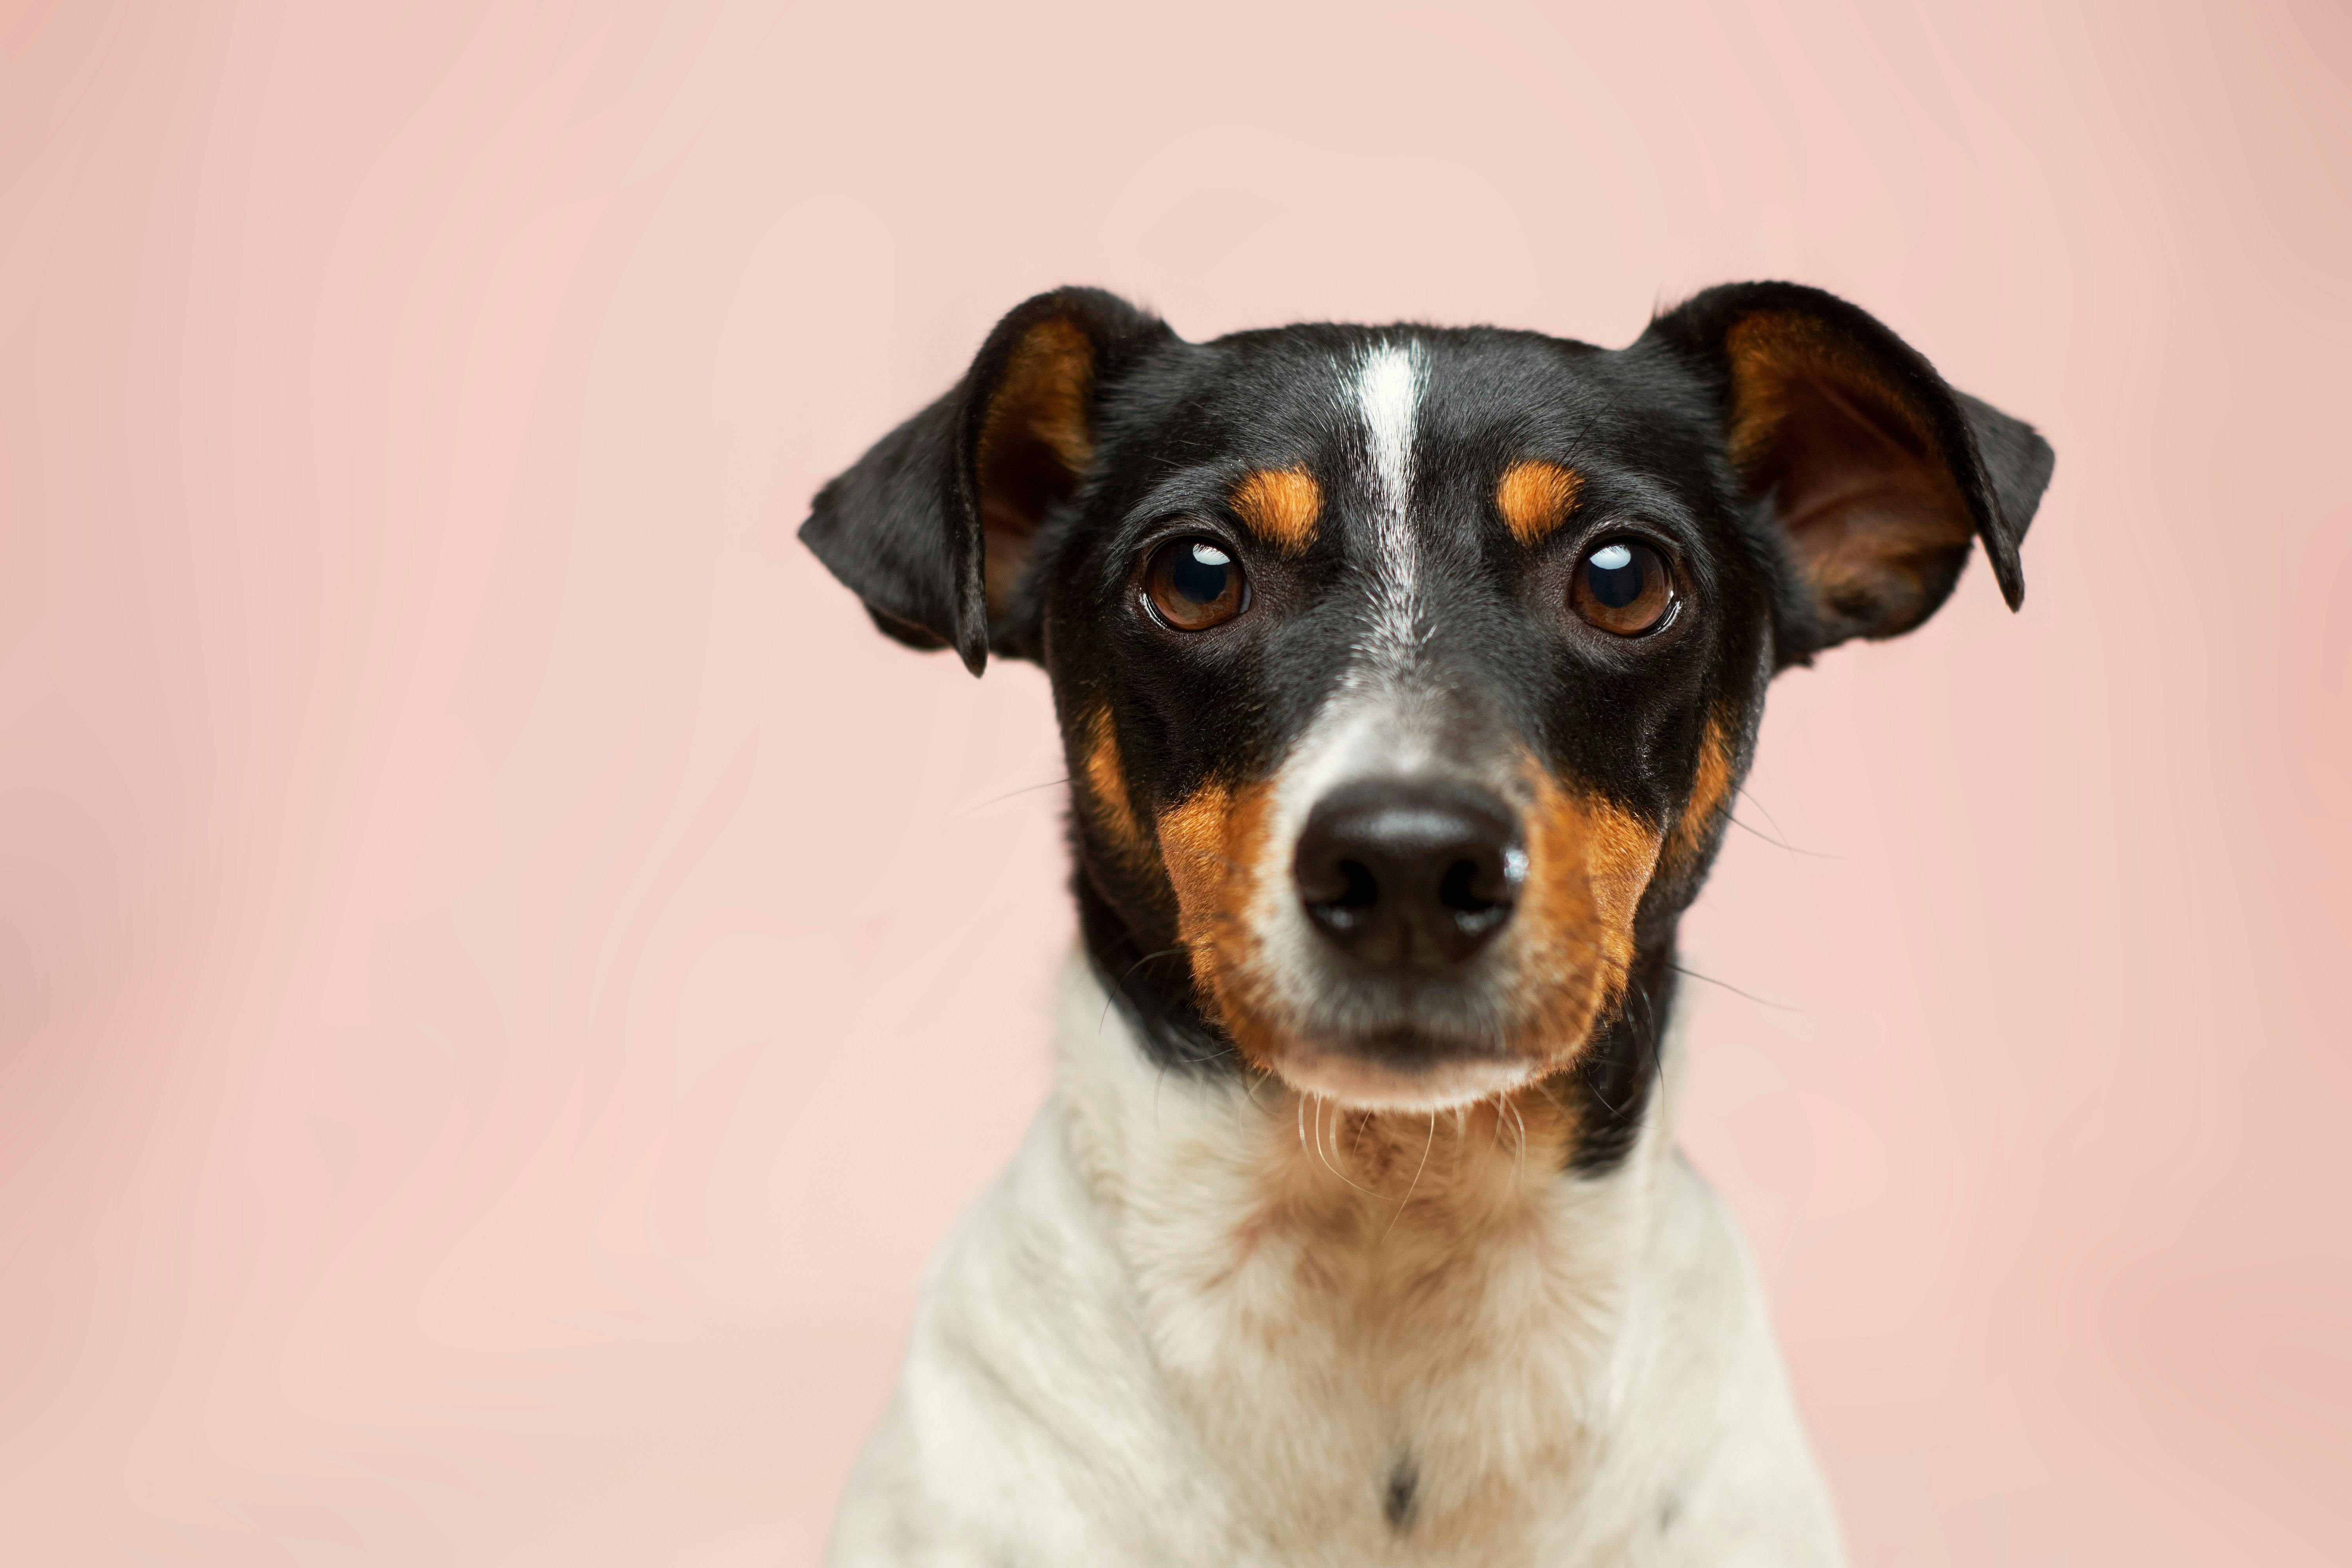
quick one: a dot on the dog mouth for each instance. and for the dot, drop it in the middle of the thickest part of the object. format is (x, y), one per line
(1400, 1042)
(1385, 1080)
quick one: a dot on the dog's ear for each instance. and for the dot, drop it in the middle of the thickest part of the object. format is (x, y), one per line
(933, 527)
(1876, 474)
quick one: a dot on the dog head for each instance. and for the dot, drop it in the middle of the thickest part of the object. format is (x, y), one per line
(1406, 675)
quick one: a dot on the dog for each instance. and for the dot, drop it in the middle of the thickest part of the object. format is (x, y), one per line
(1406, 675)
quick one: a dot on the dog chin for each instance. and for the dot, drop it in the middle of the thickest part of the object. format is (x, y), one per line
(1360, 1083)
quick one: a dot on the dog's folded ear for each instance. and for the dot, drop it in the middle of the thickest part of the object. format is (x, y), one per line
(933, 527)
(1876, 474)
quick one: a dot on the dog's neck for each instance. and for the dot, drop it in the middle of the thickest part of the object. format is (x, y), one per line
(1315, 1276)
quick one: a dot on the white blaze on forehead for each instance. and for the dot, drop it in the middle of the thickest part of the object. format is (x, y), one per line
(1388, 386)
(1375, 723)
(1388, 396)
(1383, 717)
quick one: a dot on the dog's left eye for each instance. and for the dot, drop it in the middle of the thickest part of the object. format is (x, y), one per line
(1195, 583)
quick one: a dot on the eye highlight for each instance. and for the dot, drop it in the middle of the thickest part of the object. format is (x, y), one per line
(1623, 587)
(1195, 583)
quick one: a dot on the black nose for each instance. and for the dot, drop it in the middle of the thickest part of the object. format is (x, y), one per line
(1410, 873)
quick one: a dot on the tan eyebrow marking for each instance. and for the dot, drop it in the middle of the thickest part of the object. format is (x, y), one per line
(1281, 506)
(1535, 497)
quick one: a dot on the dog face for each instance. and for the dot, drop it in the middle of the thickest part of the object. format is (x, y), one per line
(1406, 675)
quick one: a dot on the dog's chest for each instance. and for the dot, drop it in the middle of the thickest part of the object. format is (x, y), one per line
(1370, 1374)
(1191, 1326)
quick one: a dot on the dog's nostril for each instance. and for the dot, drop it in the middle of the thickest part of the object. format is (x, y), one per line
(1339, 900)
(1469, 889)
(1484, 888)
(1410, 873)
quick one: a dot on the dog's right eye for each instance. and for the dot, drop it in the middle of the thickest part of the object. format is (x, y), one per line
(1195, 583)
(1623, 587)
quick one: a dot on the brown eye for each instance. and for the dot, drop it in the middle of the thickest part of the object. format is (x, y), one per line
(1623, 586)
(1194, 584)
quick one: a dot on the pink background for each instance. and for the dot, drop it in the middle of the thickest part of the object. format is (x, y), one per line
(504, 978)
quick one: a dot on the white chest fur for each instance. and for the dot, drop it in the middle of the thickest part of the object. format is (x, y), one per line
(1191, 1326)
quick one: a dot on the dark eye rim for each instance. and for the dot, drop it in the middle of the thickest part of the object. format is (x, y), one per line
(1621, 531)
(1178, 531)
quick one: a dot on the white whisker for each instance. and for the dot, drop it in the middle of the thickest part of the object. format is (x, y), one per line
(1416, 1175)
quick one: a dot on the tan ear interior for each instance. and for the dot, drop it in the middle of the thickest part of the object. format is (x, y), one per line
(1035, 442)
(1871, 506)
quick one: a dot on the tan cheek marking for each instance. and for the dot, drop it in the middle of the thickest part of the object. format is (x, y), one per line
(1211, 843)
(1106, 782)
(1191, 840)
(1710, 796)
(1589, 863)
(1281, 506)
(1535, 497)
